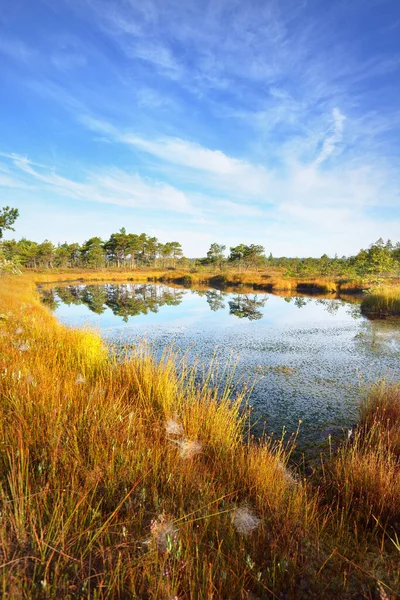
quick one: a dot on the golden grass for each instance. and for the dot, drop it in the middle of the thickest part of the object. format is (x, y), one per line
(364, 478)
(353, 285)
(381, 410)
(384, 300)
(268, 280)
(131, 478)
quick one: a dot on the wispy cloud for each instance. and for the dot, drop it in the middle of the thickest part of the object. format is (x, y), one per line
(112, 186)
(334, 137)
(248, 119)
(299, 189)
(222, 169)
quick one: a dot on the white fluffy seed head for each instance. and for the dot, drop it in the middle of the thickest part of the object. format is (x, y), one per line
(287, 475)
(190, 448)
(163, 531)
(245, 521)
(172, 427)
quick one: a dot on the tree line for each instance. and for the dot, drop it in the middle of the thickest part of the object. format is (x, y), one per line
(379, 259)
(131, 250)
(122, 249)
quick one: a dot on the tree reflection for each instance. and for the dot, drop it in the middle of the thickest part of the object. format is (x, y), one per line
(299, 301)
(245, 308)
(124, 300)
(331, 306)
(129, 300)
(215, 299)
(49, 298)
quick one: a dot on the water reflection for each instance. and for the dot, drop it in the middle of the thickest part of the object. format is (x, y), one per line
(129, 300)
(124, 300)
(215, 299)
(311, 355)
(243, 307)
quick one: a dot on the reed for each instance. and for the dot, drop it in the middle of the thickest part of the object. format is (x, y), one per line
(381, 410)
(131, 477)
(363, 478)
(382, 301)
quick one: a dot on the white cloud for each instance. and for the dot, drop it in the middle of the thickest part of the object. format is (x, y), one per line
(113, 186)
(223, 171)
(295, 208)
(156, 54)
(334, 137)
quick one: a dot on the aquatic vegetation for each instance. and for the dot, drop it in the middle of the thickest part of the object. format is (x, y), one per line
(96, 501)
(280, 369)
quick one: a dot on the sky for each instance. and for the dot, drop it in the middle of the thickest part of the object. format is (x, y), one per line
(273, 122)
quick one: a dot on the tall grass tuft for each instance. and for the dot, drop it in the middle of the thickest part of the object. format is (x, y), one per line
(364, 477)
(382, 301)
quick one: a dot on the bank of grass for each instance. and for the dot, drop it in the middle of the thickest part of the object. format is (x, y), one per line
(267, 281)
(365, 472)
(362, 480)
(271, 280)
(382, 301)
(129, 478)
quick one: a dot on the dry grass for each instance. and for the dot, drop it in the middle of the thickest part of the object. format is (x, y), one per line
(60, 275)
(363, 478)
(381, 410)
(268, 281)
(129, 478)
(271, 280)
(382, 301)
(353, 285)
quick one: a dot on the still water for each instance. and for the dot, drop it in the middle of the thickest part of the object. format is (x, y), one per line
(315, 355)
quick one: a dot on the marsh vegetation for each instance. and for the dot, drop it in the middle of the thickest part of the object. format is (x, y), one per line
(296, 347)
(127, 477)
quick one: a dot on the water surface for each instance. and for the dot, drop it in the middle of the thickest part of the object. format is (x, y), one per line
(315, 355)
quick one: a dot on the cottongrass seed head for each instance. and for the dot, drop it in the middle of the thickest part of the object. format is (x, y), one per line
(172, 427)
(190, 448)
(79, 379)
(245, 521)
(287, 475)
(163, 532)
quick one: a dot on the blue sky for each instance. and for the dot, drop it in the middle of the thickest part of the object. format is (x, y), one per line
(268, 122)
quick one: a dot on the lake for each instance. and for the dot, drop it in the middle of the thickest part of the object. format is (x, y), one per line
(312, 356)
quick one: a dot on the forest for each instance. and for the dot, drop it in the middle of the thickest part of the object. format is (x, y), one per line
(131, 251)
